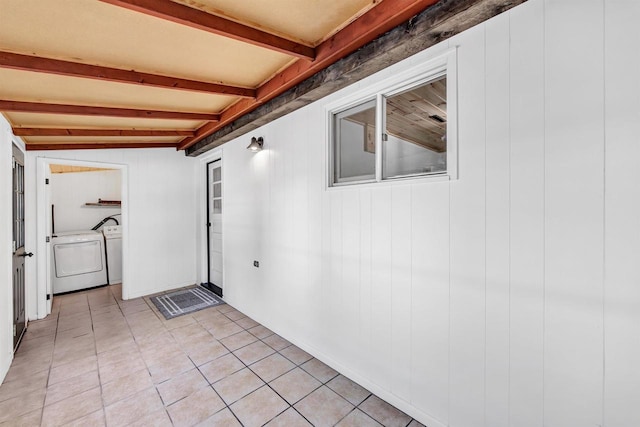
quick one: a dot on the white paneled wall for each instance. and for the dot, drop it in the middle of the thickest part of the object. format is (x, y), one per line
(70, 192)
(510, 297)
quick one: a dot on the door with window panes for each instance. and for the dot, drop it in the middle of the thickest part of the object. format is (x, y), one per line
(19, 252)
(214, 213)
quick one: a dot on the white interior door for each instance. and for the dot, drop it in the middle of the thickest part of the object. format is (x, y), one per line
(214, 213)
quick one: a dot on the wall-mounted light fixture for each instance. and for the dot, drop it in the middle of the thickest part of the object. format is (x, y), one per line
(256, 144)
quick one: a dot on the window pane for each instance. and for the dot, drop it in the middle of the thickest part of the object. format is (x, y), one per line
(416, 126)
(217, 206)
(217, 174)
(217, 190)
(354, 147)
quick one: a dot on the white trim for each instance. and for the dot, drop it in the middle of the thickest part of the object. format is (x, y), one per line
(42, 271)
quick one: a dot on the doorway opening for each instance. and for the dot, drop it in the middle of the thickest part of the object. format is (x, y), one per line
(81, 221)
(214, 227)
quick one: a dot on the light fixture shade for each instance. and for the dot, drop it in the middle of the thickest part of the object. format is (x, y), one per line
(256, 144)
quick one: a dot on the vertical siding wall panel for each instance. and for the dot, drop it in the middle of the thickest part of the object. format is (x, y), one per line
(430, 299)
(622, 214)
(366, 336)
(574, 213)
(350, 301)
(527, 215)
(401, 290)
(467, 305)
(381, 284)
(497, 222)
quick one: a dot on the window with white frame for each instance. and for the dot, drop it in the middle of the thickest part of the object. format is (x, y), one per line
(404, 127)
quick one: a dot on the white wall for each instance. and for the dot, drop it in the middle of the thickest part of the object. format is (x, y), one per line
(161, 223)
(70, 192)
(508, 297)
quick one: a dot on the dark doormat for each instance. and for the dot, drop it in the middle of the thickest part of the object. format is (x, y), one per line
(185, 301)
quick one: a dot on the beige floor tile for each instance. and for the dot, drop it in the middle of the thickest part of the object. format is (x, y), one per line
(348, 389)
(156, 419)
(24, 385)
(185, 334)
(276, 342)
(72, 387)
(30, 419)
(94, 419)
(117, 370)
(238, 340)
(295, 354)
(247, 323)
(78, 367)
(222, 418)
(272, 367)
(295, 385)
(72, 356)
(205, 351)
(224, 308)
(319, 370)
(24, 370)
(220, 331)
(415, 423)
(170, 367)
(113, 343)
(289, 418)
(384, 413)
(357, 418)
(126, 386)
(259, 407)
(260, 332)
(323, 407)
(123, 353)
(221, 368)
(195, 408)
(179, 322)
(72, 408)
(134, 408)
(21, 405)
(234, 314)
(238, 385)
(181, 386)
(253, 352)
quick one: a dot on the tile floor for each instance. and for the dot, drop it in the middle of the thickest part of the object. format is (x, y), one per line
(98, 360)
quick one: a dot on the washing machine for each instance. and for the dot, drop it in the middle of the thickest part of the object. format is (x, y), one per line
(78, 261)
(113, 245)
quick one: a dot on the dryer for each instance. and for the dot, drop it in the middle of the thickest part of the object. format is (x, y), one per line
(78, 261)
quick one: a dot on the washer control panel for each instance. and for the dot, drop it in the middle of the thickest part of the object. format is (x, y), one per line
(110, 230)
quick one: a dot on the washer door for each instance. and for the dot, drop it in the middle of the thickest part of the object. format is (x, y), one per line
(72, 259)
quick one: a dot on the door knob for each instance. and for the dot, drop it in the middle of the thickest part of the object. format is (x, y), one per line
(30, 254)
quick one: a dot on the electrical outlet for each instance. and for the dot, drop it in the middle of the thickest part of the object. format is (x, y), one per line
(256, 264)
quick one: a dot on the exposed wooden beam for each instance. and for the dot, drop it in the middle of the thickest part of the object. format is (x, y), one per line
(97, 145)
(75, 69)
(84, 110)
(433, 25)
(375, 22)
(204, 21)
(98, 132)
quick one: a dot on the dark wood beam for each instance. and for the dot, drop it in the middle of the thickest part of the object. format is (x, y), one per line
(75, 69)
(98, 132)
(375, 22)
(84, 110)
(194, 18)
(433, 25)
(97, 145)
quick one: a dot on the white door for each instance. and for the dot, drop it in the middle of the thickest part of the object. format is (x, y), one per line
(214, 214)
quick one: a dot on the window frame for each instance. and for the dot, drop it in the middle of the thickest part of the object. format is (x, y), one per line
(445, 65)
